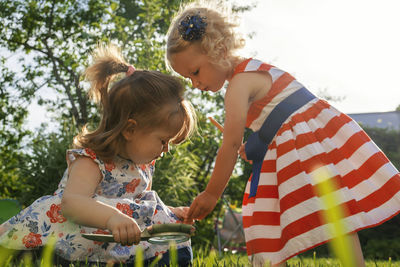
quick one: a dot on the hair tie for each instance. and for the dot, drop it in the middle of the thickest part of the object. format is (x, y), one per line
(192, 28)
(130, 71)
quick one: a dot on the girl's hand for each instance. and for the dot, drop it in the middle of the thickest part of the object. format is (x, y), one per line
(124, 229)
(181, 213)
(242, 153)
(202, 205)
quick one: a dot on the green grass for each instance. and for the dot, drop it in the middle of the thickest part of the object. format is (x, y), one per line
(201, 259)
(241, 260)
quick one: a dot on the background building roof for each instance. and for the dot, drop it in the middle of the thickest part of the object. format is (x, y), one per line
(388, 120)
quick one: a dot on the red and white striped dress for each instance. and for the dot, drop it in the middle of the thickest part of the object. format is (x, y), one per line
(285, 216)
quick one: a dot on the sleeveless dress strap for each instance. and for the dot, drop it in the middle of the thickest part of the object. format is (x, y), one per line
(257, 143)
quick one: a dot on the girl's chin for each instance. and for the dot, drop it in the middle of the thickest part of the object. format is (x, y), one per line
(156, 158)
(214, 90)
(149, 160)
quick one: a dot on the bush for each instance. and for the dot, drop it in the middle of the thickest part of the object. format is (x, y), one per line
(45, 164)
(382, 249)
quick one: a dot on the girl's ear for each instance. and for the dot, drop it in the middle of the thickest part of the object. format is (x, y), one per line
(129, 129)
(225, 52)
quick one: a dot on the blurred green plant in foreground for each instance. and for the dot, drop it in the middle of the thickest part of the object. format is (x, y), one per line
(201, 258)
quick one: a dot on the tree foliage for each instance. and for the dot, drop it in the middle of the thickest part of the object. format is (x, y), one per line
(12, 133)
(388, 141)
(58, 37)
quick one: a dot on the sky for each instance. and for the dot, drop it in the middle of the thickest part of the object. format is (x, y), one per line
(350, 48)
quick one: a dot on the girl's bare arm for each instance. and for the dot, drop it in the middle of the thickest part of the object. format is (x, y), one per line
(79, 205)
(77, 202)
(242, 89)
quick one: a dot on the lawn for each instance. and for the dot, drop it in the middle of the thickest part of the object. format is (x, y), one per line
(201, 259)
(241, 260)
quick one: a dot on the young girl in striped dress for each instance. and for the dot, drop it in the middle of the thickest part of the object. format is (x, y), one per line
(300, 144)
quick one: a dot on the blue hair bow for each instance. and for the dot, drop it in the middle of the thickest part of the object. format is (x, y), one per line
(192, 28)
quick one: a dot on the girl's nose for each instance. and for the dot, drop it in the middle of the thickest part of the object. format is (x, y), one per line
(195, 83)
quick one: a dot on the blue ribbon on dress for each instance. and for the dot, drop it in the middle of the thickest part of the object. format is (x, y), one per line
(258, 142)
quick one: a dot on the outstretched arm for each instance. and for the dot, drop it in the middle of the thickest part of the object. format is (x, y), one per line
(242, 90)
(236, 106)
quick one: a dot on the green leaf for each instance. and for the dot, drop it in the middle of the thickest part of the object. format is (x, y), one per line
(114, 6)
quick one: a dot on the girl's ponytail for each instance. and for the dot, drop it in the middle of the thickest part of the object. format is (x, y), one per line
(150, 98)
(107, 62)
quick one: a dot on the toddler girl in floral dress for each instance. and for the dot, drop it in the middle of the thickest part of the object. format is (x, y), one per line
(107, 185)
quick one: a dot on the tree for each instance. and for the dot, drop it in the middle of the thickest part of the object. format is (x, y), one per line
(388, 141)
(59, 35)
(12, 133)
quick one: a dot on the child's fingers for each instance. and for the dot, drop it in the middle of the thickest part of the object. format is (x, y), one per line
(201, 214)
(188, 221)
(182, 211)
(242, 153)
(116, 236)
(190, 212)
(186, 218)
(198, 213)
(138, 234)
(124, 236)
(194, 211)
(130, 235)
(185, 209)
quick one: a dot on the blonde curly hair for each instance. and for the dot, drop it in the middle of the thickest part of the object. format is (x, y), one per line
(220, 42)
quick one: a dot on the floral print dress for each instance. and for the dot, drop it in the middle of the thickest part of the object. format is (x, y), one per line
(125, 186)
